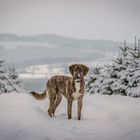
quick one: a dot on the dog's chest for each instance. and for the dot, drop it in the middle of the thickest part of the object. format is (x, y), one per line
(76, 94)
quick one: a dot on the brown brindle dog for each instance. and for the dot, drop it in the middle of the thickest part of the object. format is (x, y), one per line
(71, 87)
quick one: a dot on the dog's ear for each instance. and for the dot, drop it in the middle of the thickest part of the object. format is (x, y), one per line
(86, 69)
(71, 68)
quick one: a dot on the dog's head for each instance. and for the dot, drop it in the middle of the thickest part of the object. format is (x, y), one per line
(78, 71)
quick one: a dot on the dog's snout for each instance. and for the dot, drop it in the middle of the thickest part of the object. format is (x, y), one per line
(78, 76)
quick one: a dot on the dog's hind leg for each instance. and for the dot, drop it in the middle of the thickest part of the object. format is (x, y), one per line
(52, 98)
(56, 103)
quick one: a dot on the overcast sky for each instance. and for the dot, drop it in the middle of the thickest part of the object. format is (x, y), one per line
(88, 19)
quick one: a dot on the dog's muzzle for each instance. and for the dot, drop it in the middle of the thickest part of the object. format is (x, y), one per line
(78, 78)
(78, 81)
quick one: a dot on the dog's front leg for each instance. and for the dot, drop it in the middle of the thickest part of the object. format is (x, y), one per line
(69, 108)
(79, 108)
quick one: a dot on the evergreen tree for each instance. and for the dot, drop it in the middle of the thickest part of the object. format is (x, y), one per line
(9, 81)
(12, 74)
(121, 77)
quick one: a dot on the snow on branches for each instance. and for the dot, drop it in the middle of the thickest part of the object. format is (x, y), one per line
(121, 77)
(9, 81)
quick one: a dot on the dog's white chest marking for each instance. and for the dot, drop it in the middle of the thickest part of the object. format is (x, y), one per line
(77, 94)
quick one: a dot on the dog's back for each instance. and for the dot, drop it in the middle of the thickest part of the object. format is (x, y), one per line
(54, 86)
(59, 84)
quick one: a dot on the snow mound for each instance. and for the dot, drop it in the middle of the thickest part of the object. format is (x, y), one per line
(103, 117)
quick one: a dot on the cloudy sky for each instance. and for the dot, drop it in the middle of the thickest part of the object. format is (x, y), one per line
(89, 19)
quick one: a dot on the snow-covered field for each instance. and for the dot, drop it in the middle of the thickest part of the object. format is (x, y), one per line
(103, 118)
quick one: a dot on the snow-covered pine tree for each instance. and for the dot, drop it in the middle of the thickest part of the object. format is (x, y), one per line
(91, 82)
(121, 77)
(8, 80)
(12, 74)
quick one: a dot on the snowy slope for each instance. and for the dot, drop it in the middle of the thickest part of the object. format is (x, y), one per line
(104, 118)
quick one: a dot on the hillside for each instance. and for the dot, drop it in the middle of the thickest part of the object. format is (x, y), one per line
(60, 40)
(103, 118)
(47, 47)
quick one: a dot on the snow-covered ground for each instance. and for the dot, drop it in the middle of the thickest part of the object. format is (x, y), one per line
(103, 118)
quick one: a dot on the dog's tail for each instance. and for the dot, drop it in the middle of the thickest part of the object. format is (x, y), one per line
(39, 96)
